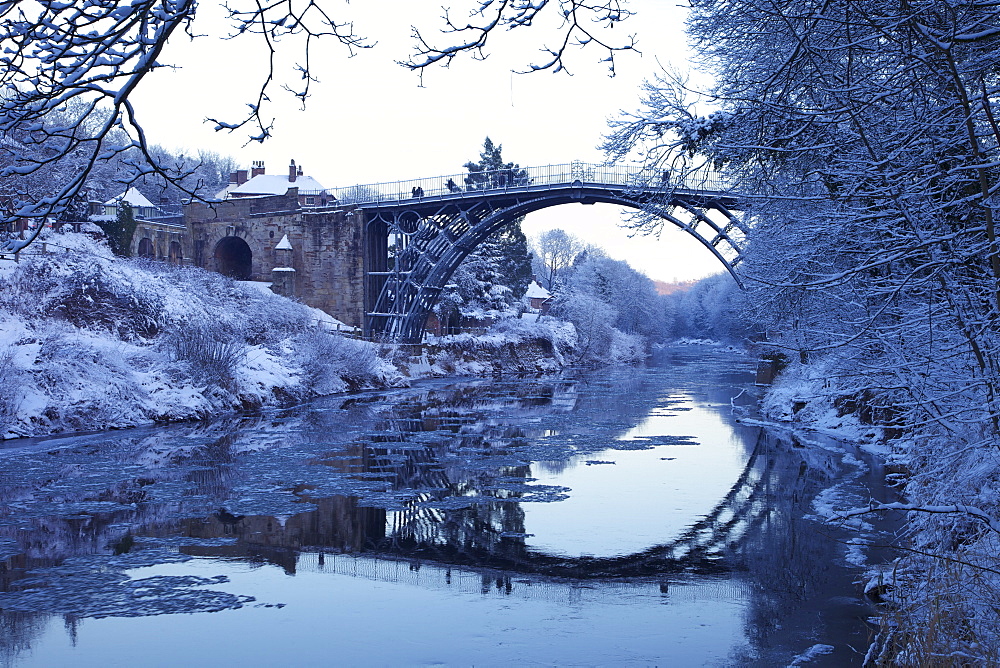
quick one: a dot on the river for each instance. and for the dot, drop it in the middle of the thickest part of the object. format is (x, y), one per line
(618, 516)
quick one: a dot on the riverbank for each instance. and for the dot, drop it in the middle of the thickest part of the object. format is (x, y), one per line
(89, 342)
(936, 596)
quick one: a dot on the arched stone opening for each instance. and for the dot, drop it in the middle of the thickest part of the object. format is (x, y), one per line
(234, 258)
(146, 248)
(175, 254)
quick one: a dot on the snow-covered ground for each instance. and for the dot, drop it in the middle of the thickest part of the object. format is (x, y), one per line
(89, 341)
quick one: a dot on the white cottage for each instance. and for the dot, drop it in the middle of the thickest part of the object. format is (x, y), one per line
(142, 208)
(539, 299)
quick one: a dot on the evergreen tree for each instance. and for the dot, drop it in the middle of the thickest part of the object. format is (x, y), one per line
(120, 230)
(491, 171)
(496, 274)
(515, 266)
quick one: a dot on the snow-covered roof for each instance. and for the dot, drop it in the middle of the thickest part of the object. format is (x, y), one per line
(276, 184)
(535, 291)
(130, 196)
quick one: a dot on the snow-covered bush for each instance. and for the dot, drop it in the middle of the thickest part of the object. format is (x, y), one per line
(332, 363)
(195, 296)
(598, 341)
(10, 389)
(513, 344)
(593, 320)
(625, 348)
(210, 349)
(82, 381)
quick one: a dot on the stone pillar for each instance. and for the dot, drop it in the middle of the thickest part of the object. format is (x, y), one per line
(283, 275)
(283, 281)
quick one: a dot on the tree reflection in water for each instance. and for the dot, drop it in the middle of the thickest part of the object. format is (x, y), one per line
(437, 475)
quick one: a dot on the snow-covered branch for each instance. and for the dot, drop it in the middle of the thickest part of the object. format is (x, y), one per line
(971, 511)
(581, 24)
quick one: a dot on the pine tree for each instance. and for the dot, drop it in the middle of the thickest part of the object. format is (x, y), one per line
(497, 273)
(491, 171)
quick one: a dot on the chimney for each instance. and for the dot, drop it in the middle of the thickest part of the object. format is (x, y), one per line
(300, 170)
(258, 168)
(241, 176)
(233, 177)
(292, 173)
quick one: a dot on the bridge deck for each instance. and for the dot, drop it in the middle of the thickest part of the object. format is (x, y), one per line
(527, 180)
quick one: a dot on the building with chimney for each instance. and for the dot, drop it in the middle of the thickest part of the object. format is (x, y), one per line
(258, 183)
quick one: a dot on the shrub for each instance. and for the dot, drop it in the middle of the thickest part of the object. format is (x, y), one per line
(86, 381)
(594, 324)
(211, 349)
(198, 294)
(330, 361)
(87, 294)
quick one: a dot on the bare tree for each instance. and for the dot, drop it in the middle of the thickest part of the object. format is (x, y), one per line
(87, 59)
(581, 23)
(556, 250)
(90, 58)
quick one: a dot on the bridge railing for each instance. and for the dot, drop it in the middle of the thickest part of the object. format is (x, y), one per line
(530, 178)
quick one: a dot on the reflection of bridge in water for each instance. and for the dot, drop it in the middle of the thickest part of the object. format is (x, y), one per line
(458, 481)
(419, 231)
(487, 582)
(475, 520)
(422, 531)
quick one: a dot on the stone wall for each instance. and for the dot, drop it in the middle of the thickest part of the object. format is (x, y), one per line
(326, 248)
(164, 241)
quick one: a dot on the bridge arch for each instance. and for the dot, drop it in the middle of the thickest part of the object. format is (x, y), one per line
(146, 248)
(492, 223)
(234, 258)
(414, 245)
(175, 253)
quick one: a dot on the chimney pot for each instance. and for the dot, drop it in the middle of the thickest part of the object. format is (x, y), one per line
(258, 168)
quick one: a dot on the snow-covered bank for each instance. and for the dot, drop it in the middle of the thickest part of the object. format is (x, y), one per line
(89, 341)
(937, 597)
(514, 345)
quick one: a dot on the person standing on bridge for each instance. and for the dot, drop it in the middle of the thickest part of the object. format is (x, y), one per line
(452, 186)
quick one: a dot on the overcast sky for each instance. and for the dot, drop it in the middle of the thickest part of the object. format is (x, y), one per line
(369, 120)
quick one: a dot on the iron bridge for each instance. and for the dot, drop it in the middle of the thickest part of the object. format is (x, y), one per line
(419, 231)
